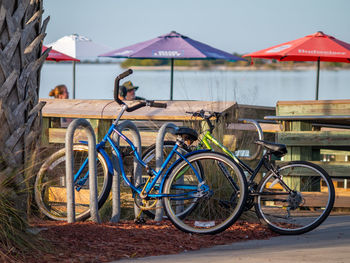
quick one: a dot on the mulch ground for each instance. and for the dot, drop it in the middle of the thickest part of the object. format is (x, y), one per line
(91, 242)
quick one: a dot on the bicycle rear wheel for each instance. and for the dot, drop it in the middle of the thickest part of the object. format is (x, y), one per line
(149, 157)
(50, 184)
(300, 210)
(216, 195)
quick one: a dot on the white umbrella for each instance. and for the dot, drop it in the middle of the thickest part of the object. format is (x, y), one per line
(78, 47)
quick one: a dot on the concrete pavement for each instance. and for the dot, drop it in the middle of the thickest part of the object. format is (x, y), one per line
(330, 242)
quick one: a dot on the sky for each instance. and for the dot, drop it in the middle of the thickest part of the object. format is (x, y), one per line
(240, 26)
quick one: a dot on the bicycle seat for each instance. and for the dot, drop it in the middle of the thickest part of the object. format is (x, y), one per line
(277, 149)
(189, 133)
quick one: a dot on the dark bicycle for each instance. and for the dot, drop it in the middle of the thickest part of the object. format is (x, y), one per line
(292, 198)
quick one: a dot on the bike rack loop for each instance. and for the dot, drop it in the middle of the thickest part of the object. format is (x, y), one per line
(166, 127)
(261, 137)
(117, 172)
(92, 170)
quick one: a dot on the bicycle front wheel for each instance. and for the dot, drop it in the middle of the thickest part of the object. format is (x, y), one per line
(50, 184)
(296, 201)
(215, 195)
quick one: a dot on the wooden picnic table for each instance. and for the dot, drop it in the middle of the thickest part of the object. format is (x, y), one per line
(100, 113)
(108, 109)
(327, 120)
(312, 128)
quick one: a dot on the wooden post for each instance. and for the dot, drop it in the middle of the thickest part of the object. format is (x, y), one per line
(298, 152)
(45, 131)
(100, 127)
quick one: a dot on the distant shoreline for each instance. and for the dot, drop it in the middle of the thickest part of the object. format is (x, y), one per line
(237, 68)
(218, 68)
(213, 68)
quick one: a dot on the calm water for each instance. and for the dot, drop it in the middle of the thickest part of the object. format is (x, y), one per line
(263, 88)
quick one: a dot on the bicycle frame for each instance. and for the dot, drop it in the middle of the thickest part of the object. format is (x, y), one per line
(150, 184)
(208, 138)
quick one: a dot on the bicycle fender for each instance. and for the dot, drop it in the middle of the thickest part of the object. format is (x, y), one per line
(105, 156)
(178, 161)
(108, 160)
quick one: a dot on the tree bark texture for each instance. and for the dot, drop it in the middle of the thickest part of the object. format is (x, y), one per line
(21, 36)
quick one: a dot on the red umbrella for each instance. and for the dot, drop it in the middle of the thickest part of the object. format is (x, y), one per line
(54, 55)
(316, 47)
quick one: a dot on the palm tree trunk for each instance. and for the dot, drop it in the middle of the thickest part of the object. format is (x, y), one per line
(21, 36)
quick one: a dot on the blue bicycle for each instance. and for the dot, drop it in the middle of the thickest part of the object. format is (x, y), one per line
(202, 191)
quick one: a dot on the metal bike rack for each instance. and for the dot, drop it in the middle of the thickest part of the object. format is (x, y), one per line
(166, 127)
(117, 172)
(92, 170)
(261, 137)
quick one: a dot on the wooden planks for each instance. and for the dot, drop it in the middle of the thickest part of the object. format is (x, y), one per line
(335, 169)
(312, 107)
(101, 112)
(108, 109)
(335, 121)
(306, 138)
(314, 138)
(316, 199)
(252, 111)
(266, 127)
(59, 195)
(57, 135)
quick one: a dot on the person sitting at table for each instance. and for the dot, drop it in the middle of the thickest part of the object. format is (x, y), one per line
(127, 92)
(59, 92)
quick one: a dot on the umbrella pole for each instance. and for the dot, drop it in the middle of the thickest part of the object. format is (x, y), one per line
(317, 77)
(73, 92)
(171, 78)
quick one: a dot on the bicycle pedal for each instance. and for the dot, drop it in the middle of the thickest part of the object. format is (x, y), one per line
(139, 221)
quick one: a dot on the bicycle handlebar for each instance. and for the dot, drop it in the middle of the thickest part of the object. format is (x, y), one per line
(201, 114)
(154, 104)
(116, 85)
(149, 103)
(136, 107)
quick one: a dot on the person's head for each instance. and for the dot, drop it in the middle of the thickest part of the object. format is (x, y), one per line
(127, 91)
(59, 92)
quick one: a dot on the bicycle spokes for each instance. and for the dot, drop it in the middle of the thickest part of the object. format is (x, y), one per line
(207, 204)
(294, 201)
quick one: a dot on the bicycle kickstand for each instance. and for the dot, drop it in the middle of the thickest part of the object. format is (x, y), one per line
(139, 220)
